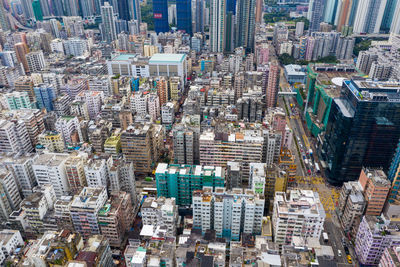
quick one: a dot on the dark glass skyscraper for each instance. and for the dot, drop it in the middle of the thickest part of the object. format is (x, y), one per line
(363, 129)
(231, 6)
(184, 15)
(123, 10)
(160, 13)
(199, 17)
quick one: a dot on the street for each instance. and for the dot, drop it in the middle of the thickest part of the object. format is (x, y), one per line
(310, 178)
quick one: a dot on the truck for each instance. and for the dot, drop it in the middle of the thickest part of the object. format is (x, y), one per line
(325, 236)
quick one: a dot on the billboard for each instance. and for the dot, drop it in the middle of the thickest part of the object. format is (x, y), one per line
(158, 15)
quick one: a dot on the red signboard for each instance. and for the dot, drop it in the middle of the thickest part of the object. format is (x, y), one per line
(158, 15)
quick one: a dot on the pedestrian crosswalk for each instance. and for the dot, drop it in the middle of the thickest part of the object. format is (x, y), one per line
(328, 196)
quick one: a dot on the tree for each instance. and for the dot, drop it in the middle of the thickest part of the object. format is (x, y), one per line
(361, 45)
(286, 59)
(147, 14)
(328, 59)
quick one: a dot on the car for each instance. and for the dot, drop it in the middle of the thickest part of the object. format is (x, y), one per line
(309, 172)
(339, 253)
(349, 259)
(346, 249)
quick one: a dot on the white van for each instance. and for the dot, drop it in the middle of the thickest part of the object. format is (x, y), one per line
(339, 253)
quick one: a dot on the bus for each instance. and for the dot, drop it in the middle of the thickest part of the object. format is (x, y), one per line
(317, 169)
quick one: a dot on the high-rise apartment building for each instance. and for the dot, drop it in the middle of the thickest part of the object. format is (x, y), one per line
(179, 181)
(358, 126)
(49, 168)
(14, 137)
(259, 10)
(297, 213)
(184, 146)
(21, 166)
(93, 101)
(272, 85)
(137, 147)
(109, 32)
(75, 47)
(36, 61)
(36, 206)
(369, 16)
(375, 234)
(87, 9)
(52, 141)
(199, 15)
(175, 87)
(388, 15)
(162, 90)
(229, 213)
(122, 178)
(257, 177)
(376, 188)
(184, 15)
(216, 149)
(70, 129)
(85, 210)
(390, 257)
(9, 191)
(233, 175)
(5, 26)
(315, 14)
(96, 172)
(217, 25)
(245, 28)
(351, 206)
(135, 11)
(74, 169)
(115, 218)
(161, 212)
(97, 252)
(21, 49)
(25, 84)
(18, 100)
(395, 23)
(37, 10)
(160, 14)
(342, 14)
(45, 94)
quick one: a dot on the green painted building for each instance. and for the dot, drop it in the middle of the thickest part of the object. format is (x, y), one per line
(179, 181)
(324, 83)
(18, 100)
(37, 10)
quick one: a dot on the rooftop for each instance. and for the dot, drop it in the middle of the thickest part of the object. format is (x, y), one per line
(294, 70)
(167, 58)
(298, 202)
(50, 159)
(5, 235)
(378, 177)
(377, 91)
(124, 57)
